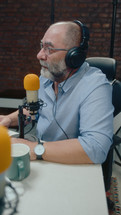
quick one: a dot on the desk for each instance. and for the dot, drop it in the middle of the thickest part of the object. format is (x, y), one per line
(59, 189)
(11, 99)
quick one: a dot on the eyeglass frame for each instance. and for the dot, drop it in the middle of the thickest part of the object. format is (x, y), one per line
(50, 48)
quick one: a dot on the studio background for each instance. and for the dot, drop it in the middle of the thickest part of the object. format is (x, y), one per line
(24, 22)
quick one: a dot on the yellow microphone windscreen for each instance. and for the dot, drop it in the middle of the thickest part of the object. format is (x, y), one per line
(5, 149)
(31, 82)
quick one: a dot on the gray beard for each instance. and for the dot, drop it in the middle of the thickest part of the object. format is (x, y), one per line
(45, 73)
(55, 73)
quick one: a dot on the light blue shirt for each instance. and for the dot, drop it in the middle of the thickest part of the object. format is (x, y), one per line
(82, 110)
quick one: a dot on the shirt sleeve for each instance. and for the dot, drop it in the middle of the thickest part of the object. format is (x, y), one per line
(96, 123)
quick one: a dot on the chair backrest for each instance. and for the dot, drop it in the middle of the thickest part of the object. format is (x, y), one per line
(116, 97)
(106, 64)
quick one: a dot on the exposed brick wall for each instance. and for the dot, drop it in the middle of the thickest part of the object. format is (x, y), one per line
(23, 23)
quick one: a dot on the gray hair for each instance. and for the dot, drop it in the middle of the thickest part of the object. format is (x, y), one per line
(72, 35)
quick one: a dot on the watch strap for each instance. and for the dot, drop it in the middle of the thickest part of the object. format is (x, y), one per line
(40, 142)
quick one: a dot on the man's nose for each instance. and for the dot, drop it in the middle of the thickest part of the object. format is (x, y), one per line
(41, 55)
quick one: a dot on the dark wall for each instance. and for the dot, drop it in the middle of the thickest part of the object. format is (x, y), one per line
(23, 23)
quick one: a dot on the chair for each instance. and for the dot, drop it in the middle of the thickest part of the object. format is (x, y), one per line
(107, 165)
(108, 66)
(116, 99)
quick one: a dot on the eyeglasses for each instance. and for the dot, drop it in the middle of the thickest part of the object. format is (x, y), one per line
(49, 50)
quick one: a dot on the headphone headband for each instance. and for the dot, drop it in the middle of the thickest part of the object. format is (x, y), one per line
(84, 32)
(76, 56)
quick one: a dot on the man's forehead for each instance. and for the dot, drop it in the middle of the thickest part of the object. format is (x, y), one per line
(56, 29)
(54, 34)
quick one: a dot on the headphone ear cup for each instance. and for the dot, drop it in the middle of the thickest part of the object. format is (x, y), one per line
(75, 57)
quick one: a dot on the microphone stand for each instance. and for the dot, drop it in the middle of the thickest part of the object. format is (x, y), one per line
(113, 27)
(21, 118)
(52, 11)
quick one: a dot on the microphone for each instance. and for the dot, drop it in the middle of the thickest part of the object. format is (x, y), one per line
(31, 85)
(32, 103)
(5, 158)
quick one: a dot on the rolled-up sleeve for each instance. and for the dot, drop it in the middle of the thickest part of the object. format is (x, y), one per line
(96, 123)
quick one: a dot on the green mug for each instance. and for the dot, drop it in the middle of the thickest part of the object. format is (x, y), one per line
(2, 185)
(20, 167)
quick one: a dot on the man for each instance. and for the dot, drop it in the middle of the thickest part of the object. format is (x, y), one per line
(77, 122)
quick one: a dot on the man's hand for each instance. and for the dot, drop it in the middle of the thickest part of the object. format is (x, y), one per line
(5, 121)
(29, 143)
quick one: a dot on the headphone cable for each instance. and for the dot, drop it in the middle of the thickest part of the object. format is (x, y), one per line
(55, 107)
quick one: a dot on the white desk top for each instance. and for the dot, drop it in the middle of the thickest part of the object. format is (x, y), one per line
(57, 189)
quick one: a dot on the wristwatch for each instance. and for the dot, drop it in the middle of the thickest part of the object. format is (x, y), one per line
(39, 149)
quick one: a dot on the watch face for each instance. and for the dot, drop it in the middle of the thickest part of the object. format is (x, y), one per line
(39, 149)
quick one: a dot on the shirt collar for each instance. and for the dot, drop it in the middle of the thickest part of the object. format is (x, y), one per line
(70, 82)
(74, 79)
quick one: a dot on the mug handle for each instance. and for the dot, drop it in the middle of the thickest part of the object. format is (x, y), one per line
(20, 165)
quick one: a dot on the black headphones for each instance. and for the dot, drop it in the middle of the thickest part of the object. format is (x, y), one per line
(76, 56)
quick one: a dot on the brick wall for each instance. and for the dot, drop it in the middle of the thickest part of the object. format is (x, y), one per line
(23, 23)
